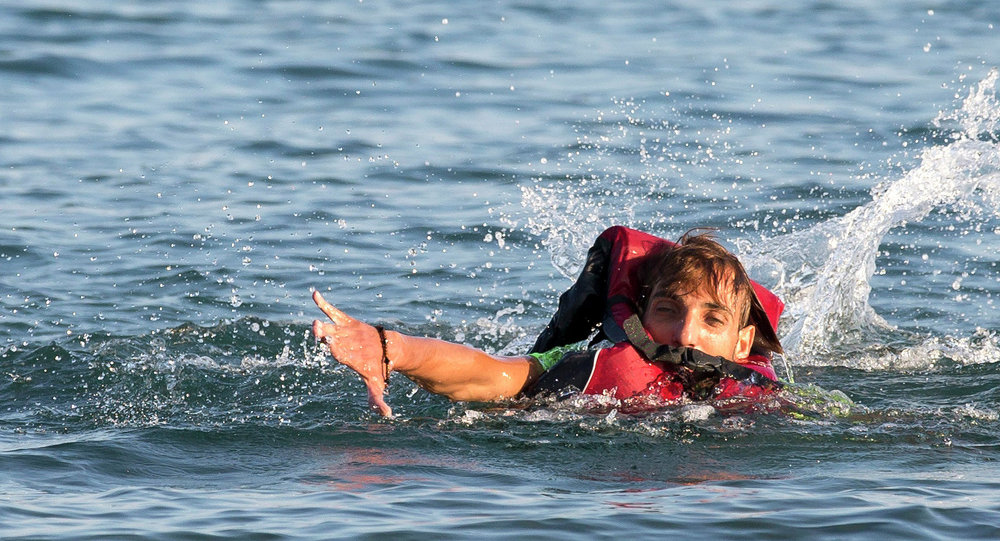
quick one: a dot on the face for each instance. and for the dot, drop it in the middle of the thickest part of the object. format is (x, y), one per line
(698, 321)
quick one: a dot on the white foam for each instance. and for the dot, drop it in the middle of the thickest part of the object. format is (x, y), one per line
(696, 412)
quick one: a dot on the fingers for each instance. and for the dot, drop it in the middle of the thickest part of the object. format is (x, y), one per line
(335, 315)
(376, 400)
(318, 331)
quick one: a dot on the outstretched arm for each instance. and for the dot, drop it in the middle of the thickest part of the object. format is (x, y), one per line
(453, 370)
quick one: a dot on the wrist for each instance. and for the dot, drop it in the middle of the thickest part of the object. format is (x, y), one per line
(396, 351)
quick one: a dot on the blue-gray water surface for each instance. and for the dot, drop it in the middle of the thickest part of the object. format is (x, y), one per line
(177, 177)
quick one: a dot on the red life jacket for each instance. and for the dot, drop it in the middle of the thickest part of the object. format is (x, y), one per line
(621, 371)
(605, 297)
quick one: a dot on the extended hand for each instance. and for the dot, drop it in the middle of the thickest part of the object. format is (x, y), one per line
(355, 344)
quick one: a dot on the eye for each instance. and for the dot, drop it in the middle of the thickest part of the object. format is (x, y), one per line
(665, 307)
(715, 319)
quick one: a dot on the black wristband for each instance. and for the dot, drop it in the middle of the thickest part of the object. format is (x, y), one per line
(385, 353)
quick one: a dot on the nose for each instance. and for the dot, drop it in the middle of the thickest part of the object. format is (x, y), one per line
(682, 332)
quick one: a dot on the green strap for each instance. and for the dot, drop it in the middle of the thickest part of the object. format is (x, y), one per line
(550, 358)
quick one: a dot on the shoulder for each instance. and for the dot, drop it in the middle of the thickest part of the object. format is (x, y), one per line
(570, 373)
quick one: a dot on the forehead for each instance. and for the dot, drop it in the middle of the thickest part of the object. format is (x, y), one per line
(720, 289)
(703, 296)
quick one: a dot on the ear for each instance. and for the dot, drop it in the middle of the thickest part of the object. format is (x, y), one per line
(744, 343)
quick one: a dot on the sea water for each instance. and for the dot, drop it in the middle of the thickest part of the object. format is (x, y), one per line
(176, 177)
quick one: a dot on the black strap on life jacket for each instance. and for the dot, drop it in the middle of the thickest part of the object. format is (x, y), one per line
(699, 371)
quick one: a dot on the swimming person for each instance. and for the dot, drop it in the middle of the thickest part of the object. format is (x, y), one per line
(679, 320)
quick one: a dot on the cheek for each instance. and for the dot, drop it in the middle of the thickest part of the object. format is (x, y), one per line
(724, 344)
(658, 333)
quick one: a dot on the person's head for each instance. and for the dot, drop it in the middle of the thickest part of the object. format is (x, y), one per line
(697, 294)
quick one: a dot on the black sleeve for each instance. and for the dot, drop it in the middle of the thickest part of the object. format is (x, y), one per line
(581, 307)
(570, 375)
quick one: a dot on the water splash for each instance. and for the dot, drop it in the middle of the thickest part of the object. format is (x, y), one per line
(825, 272)
(627, 167)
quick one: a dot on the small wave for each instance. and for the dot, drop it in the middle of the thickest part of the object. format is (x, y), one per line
(62, 66)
